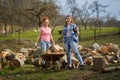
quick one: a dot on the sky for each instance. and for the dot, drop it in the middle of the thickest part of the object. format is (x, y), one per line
(113, 6)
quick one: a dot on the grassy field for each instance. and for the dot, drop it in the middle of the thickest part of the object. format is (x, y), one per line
(28, 72)
(108, 35)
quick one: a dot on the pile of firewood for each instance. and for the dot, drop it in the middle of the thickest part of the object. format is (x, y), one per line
(108, 53)
(56, 49)
(26, 56)
(14, 59)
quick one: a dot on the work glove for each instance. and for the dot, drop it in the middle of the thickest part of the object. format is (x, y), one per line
(52, 44)
(75, 29)
(35, 45)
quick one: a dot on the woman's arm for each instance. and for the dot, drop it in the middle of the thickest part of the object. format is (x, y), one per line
(76, 30)
(52, 40)
(38, 37)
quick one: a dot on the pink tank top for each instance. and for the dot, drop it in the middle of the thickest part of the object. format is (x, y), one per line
(46, 33)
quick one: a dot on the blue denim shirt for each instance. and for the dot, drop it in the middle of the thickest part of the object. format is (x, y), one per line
(73, 37)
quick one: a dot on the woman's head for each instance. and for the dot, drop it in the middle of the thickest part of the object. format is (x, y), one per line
(69, 19)
(45, 20)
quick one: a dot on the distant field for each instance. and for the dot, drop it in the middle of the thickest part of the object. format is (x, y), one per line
(86, 35)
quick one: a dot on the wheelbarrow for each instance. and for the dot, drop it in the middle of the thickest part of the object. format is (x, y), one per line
(53, 61)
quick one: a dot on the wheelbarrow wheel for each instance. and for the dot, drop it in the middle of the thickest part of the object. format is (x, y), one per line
(57, 66)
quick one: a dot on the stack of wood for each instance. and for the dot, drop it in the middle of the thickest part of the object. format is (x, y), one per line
(28, 51)
(11, 58)
(56, 49)
(111, 52)
(3, 59)
(106, 54)
(17, 59)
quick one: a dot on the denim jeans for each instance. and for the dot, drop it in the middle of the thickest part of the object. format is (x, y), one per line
(71, 44)
(44, 45)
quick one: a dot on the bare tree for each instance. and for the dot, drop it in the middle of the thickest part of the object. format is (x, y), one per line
(36, 9)
(119, 22)
(97, 8)
(110, 20)
(84, 14)
(4, 10)
(72, 4)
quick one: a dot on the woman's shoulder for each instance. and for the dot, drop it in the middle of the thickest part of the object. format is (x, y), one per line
(73, 24)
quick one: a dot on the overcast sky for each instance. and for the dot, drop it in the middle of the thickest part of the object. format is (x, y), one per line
(113, 5)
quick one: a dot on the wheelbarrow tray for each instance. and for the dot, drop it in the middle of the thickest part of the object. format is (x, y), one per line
(52, 57)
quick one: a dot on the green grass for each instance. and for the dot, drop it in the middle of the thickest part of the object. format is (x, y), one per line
(86, 36)
(28, 72)
(104, 31)
(31, 35)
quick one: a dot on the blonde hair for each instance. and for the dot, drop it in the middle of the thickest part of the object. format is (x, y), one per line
(72, 21)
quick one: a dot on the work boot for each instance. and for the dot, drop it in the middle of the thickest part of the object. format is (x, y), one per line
(81, 67)
(69, 68)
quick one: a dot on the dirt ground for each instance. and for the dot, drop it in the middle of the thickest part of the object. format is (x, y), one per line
(36, 74)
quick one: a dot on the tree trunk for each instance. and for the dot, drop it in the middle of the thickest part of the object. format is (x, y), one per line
(11, 25)
(95, 37)
(79, 34)
(5, 28)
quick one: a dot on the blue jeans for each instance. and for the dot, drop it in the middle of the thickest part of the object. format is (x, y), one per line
(44, 45)
(71, 44)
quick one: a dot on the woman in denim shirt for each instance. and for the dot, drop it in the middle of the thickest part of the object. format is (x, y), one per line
(70, 38)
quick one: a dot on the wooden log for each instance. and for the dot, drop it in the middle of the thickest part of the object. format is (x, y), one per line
(92, 53)
(4, 54)
(10, 57)
(98, 63)
(85, 56)
(113, 48)
(17, 63)
(80, 47)
(0, 63)
(3, 61)
(29, 60)
(96, 46)
(55, 48)
(108, 69)
(88, 61)
(20, 56)
(118, 68)
(38, 62)
(31, 51)
(37, 53)
(111, 58)
(104, 49)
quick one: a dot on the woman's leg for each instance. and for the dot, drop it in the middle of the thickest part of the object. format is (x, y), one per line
(67, 50)
(48, 45)
(43, 45)
(74, 47)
